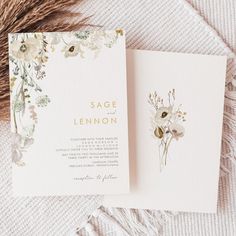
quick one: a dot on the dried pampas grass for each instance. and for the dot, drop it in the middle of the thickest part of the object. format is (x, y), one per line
(31, 16)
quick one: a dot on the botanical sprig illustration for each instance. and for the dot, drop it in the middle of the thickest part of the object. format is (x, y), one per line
(28, 54)
(167, 123)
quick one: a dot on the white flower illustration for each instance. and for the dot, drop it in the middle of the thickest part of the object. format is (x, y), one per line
(20, 143)
(72, 49)
(26, 50)
(176, 130)
(163, 114)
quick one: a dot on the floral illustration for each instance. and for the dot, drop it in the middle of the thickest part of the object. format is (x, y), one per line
(28, 55)
(167, 123)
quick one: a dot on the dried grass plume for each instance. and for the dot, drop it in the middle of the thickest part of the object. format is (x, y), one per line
(31, 16)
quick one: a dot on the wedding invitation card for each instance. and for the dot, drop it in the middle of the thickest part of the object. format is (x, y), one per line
(69, 113)
(175, 126)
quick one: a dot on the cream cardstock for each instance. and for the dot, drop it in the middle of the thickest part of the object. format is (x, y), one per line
(174, 148)
(69, 113)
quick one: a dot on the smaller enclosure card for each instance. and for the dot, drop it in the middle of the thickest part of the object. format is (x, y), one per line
(175, 127)
(69, 113)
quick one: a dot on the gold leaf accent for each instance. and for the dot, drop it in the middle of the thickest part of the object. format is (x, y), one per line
(119, 31)
(158, 132)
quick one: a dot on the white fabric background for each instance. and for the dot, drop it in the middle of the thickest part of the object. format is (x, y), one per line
(193, 26)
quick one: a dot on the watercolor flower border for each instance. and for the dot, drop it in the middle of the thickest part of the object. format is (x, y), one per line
(167, 123)
(28, 55)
